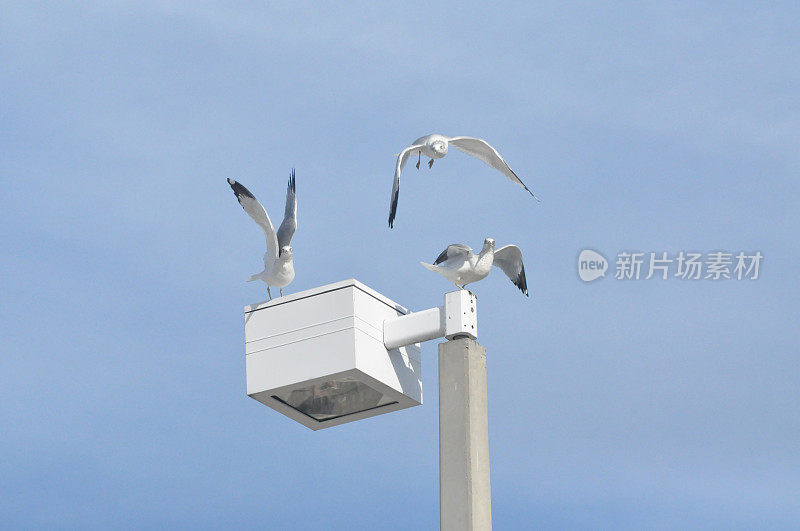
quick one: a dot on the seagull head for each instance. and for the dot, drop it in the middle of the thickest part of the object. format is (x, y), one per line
(489, 242)
(439, 147)
(285, 252)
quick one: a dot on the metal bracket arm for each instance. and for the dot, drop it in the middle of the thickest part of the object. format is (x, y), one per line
(457, 318)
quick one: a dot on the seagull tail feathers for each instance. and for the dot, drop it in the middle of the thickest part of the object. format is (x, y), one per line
(431, 267)
(257, 276)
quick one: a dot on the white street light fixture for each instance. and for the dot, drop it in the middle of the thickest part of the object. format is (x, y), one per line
(344, 352)
(318, 356)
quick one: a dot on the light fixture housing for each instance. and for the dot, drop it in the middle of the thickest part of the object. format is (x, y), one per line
(318, 356)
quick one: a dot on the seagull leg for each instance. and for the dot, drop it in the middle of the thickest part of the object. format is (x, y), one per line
(269, 293)
(430, 164)
(419, 157)
(281, 292)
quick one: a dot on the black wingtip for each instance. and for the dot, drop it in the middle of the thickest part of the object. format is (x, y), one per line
(393, 209)
(525, 186)
(441, 258)
(239, 190)
(521, 283)
(291, 183)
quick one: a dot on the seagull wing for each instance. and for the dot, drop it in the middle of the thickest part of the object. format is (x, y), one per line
(509, 259)
(456, 250)
(289, 224)
(401, 162)
(480, 149)
(259, 215)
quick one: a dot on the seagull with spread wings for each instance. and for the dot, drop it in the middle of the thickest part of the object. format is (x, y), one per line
(435, 147)
(279, 259)
(461, 266)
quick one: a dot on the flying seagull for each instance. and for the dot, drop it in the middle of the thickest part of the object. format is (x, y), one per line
(461, 266)
(278, 260)
(435, 147)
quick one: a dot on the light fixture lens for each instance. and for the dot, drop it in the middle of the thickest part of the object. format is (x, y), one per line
(334, 399)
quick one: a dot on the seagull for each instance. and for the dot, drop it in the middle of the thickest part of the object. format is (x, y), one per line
(278, 260)
(435, 147)
(461, 266)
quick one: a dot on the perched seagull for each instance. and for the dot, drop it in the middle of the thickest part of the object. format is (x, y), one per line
(278, 260)
(461, 266)
(435, 147)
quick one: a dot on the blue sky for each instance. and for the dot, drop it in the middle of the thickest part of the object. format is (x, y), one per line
(642, 126)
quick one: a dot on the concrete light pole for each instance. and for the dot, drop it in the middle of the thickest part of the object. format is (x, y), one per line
(464, 479)
(464, 486)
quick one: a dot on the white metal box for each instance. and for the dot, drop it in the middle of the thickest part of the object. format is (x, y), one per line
(318, 356)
